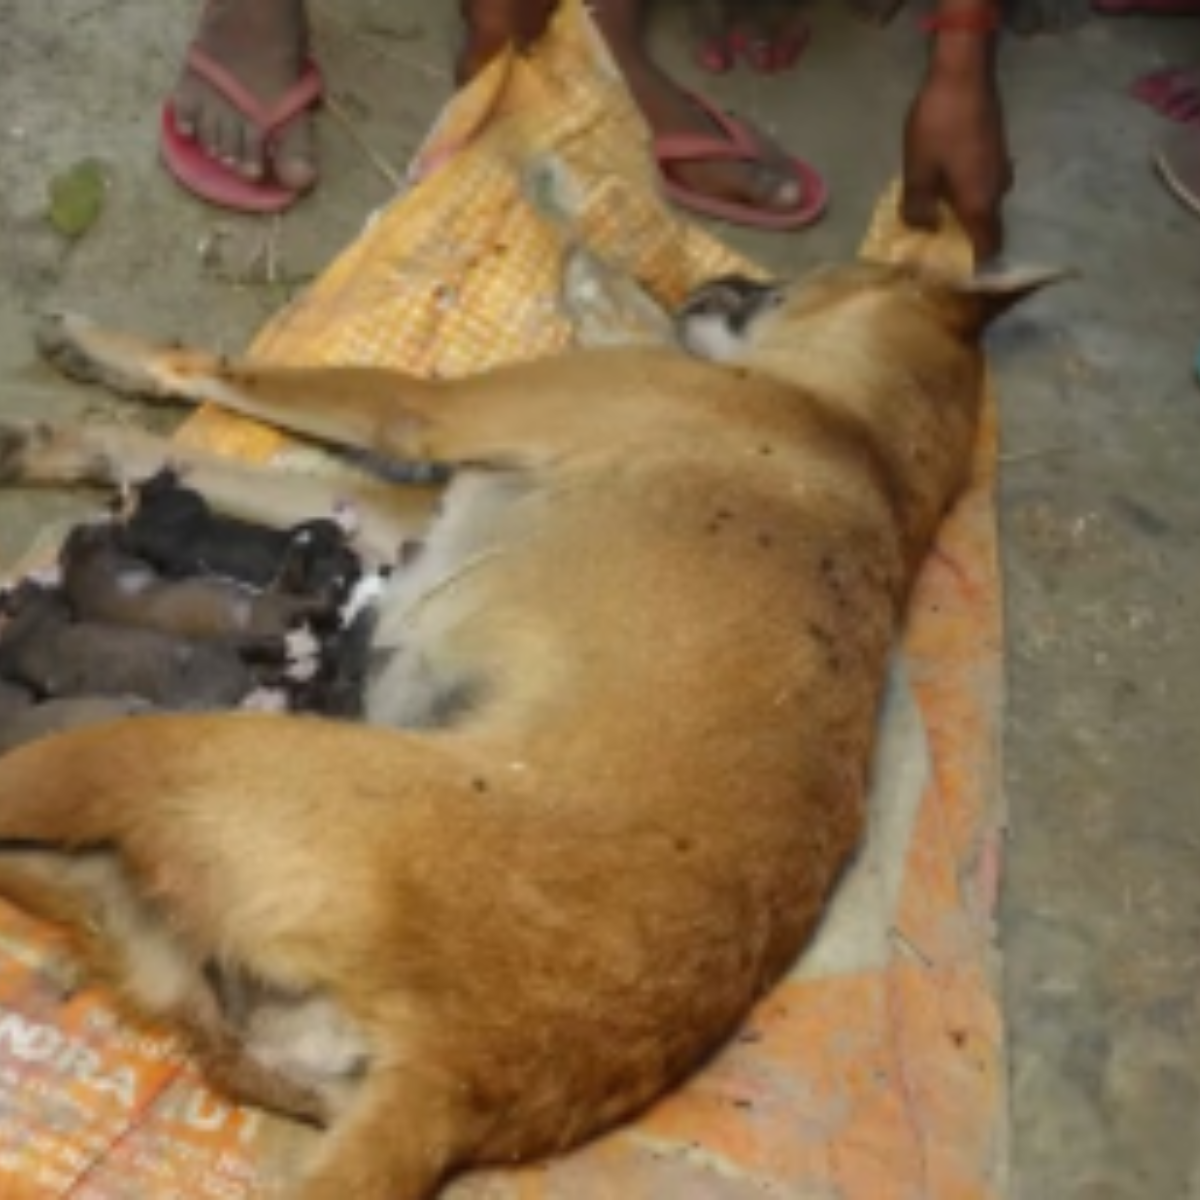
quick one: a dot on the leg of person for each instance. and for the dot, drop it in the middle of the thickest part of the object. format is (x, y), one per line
(491, 24)
(711, 162)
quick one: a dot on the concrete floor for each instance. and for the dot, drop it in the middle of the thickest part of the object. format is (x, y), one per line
(1101, 430)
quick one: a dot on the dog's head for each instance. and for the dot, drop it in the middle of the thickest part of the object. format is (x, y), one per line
(853, 307)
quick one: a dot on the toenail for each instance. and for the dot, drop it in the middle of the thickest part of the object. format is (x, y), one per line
(788, 193)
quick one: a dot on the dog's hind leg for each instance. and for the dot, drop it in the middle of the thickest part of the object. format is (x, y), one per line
(179, 802)
(396, 1140)
(35, 454)
(124, 943)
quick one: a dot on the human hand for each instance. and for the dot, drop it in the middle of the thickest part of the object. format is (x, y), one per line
(955, 148)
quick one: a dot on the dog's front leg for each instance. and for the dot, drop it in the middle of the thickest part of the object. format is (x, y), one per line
(523, 415)
(94, 455)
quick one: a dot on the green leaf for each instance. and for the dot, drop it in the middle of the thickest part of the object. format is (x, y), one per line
(77, 198)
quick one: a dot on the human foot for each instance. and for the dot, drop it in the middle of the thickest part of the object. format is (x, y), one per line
(765, 180)
(768, 181)
(768, 35)
(263, 45)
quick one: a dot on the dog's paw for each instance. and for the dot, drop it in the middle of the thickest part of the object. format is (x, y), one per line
(20, 443)
(39, 452)
(62, 340)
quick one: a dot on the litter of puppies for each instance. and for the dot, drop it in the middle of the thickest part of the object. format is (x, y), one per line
(168, 606)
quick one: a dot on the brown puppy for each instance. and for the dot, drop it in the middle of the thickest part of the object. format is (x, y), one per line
(14, 700)
(56, 716)
(649, 631)
(43, 648)
(104, 582)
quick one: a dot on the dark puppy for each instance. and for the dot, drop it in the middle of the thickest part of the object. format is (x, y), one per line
(336, 684)
(57, 716)
(104, 582)
(14, 700)
(42, 649)
(174, 529)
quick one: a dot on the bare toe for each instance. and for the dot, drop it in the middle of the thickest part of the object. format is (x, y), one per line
(252, 161)
(774, 186)
(294, 155)
(188, 102)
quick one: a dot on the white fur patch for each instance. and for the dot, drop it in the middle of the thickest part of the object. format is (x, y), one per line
(367, 593)
(708, 336)
(302, 670)
(308, 1039)
(301, 643)
(346, 515)
(266, 700)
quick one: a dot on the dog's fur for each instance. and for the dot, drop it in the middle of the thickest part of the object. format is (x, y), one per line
(644, 640)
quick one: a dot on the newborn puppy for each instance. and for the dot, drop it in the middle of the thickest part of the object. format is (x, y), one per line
(337, 688)
(42, 649)
(174, 529)
(57, 716)
(104, 582)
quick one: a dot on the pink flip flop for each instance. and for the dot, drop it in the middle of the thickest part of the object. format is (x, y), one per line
(209, 178)
(734, 143)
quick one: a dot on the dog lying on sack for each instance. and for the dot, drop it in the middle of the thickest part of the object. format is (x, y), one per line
(620, 713)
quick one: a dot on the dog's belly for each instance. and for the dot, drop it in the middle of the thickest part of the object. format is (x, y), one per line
(412, 682)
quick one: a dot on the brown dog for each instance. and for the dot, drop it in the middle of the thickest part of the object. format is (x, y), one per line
(631, 682)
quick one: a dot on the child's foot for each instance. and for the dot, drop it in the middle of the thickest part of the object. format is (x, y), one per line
(263, 44)
(767, 35)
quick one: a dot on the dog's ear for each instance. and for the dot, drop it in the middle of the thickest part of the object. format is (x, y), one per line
(976, 302)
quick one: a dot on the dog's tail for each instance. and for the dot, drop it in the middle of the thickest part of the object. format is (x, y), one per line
(65, 790)
(101, 783)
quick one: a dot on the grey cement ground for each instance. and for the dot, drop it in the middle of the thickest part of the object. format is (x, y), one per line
(1101, 492)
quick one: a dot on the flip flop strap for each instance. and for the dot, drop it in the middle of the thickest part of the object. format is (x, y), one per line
(698, 147)
(734, 143)
(299, 97)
